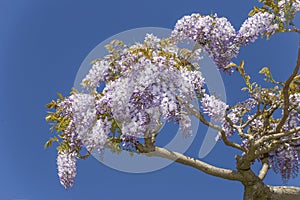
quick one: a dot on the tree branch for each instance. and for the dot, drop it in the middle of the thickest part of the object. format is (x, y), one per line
(276, 136)
(258, 113)
(231, 144)
(200, 116)
(264, 169)
(285, 92)
(192, 162)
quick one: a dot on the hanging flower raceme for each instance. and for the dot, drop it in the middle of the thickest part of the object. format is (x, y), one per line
(215, 34)
(214, 107)
(66, 165)
(219, 38)
(256, 26)
(285, 160)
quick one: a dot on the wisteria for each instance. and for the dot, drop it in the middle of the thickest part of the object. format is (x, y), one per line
(148, 89)
(144, 85)
(218, 36)
(234, 115)
(256, 26)
(215, 34)
(285, 160)
(96, 138)
(295, 100)
(133, 90)
(214, 107)
(83, 114)
(293, 119)
(96, 74)
(66, 165)
(226, 126)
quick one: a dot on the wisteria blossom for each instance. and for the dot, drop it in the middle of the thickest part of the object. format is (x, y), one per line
(96, 74)
(256, 26)
(295, 100)
(143, 86)
(285, 160)
(83, 115)
(218, 36)
(214, 107)
(96, 138)
(66, 165)
(214, 33)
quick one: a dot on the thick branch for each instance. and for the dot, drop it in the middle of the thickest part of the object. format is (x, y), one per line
(192, 162)
(284, 192)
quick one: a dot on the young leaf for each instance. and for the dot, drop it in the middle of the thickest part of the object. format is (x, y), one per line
(52, 104)
(50, 142)
(60, 96)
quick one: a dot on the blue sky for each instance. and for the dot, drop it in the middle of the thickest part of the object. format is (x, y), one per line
(42, 44)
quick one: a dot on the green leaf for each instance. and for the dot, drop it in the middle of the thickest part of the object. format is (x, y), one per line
(50, 117)
(94, 61)
(60, 96)
(50, 142)
(230, 65)
(247, 79)
(63, 147)
(52, 104)
(240, 68)
(74, 91)
(264, 70)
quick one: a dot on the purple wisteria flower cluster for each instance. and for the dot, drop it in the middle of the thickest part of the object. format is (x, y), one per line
(215, 34)
(214, 107)
(285, 160)
(148, 88)
(144, 84)
(66, 165)
(218, 36)
(256, 26)
(235, 115)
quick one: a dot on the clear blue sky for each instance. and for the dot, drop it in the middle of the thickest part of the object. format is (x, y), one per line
(42, 44)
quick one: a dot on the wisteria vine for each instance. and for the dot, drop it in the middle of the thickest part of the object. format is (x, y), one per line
(147, 83)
